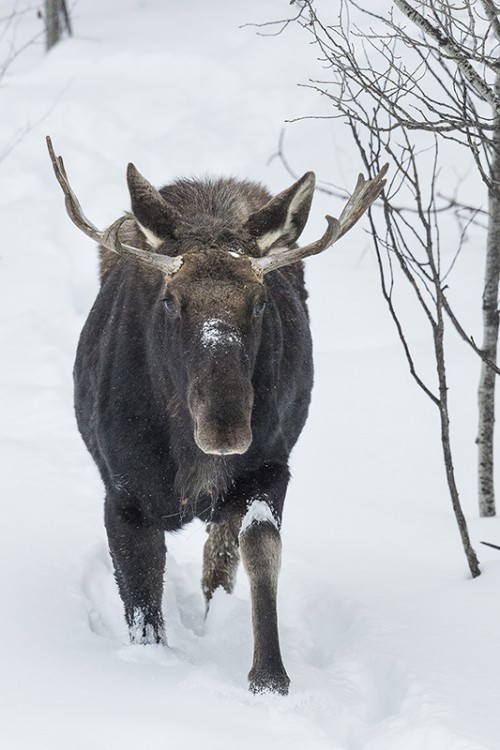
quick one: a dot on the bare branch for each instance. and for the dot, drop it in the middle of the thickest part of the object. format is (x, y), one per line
(452, 50)
(492, 11)
(280, 154)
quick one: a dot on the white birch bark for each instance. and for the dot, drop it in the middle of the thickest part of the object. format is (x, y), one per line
(486, 391)
(454, 52)
(487, 381)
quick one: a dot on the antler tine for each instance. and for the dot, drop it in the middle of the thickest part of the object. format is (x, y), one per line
(109, 238)
(72, 203)
(365, 192)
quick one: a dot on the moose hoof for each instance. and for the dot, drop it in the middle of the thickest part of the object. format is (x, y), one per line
(146, 631)
(268, 683)
(147, 636)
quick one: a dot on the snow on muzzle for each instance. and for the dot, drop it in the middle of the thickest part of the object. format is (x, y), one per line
(220, 393)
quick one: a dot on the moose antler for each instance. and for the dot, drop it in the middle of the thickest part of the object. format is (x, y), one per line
(109, 238)
(365, 192)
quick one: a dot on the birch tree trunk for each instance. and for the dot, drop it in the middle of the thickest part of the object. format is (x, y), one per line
(459, 49)
(486, 391)
(52, 22)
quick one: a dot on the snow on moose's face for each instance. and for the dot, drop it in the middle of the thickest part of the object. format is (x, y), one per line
(216, 333)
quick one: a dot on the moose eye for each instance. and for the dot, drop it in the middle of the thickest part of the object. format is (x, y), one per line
(259, 307)
(171, 307)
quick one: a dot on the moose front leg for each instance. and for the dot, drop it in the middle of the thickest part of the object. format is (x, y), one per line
(138, 553)
(260, 549)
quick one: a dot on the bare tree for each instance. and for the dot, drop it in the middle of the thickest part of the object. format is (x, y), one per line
(16, 37)
(13, 43)
(403, 94)
(56, 19)
(10, 45)
(410, 237)
(471, 44)
(439, 75)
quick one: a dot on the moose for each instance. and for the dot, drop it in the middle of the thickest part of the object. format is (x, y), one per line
(193, 378)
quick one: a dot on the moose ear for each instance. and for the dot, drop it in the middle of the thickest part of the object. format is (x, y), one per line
(281, 221)
(155, 217)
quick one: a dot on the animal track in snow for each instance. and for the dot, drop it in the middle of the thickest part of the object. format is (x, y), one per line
(348, 690)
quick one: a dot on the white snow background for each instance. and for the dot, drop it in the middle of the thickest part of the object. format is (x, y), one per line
(388, 642)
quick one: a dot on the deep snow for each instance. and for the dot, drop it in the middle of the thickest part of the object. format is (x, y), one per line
(389, 644)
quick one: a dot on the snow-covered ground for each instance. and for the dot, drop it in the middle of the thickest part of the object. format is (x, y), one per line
(388, 642)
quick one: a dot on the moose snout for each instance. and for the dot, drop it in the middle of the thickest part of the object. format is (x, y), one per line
(222, 420)
(222, 441)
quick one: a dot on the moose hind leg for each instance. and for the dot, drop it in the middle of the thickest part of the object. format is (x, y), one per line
(260, 548)
(138, 553)
(220, 560)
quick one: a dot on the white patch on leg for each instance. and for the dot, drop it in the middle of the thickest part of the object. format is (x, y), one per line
(143, 635)
(258, 512)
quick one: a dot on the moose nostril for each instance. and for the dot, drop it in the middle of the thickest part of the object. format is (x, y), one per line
(219, 440)
(221, 415)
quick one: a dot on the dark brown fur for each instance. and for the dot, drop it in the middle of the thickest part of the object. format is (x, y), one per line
(192, 389)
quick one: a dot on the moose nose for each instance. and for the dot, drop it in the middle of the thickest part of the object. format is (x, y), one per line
(221, 408)
(222, 440)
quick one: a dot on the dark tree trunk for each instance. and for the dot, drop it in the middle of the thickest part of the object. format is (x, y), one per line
(56, 18)
(438, 334)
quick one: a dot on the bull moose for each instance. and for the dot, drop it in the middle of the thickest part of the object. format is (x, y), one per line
(193, 378)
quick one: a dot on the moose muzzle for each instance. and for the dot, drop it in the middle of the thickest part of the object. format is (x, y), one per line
(222, 414)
